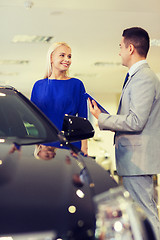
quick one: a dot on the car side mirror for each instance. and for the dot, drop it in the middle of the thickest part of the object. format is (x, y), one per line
(77, 128)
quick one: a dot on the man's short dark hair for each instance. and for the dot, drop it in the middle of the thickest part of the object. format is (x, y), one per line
(139, 38)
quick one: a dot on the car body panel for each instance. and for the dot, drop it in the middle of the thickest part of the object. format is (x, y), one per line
(36, 194)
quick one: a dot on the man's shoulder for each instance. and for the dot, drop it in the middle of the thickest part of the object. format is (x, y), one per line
(143, 70)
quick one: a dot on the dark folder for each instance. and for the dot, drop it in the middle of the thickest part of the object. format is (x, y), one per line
(103, 110)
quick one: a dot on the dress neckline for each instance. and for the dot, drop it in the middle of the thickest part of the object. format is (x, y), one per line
(59, 79)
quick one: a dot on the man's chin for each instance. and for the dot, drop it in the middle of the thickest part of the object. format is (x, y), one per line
(123, 64)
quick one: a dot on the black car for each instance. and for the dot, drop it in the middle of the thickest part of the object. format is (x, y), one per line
(48, 188)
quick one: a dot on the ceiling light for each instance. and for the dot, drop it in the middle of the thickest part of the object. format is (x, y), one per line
(55, 13)
(101, 64)
(6, 238)
(72, 209)
(85, 75)
(80, 194)
(8, 73)
(28, 4)
(31, 39)
(14, 62)
(155, 42)
(2, 94)
(31, 236)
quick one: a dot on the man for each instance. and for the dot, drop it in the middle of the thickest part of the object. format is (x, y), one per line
(137, 123)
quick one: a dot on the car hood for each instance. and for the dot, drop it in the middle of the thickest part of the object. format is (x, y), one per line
(43, 195)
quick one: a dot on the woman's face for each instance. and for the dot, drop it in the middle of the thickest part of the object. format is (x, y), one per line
(47, 152)
(61, 58)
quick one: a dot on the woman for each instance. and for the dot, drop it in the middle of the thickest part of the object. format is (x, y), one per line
(44, 152)
(58, 94)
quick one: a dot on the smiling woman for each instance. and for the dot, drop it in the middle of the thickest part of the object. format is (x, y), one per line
(61, 61)
(58, 94)
(59, 54)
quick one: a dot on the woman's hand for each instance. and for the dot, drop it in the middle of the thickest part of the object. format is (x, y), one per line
(84, 147)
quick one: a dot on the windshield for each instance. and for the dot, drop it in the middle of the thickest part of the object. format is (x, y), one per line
(21, 120)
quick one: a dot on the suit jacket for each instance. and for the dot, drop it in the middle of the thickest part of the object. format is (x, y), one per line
(137, 125)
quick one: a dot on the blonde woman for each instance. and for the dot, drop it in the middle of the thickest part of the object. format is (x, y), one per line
(58, 94)
(44, 152)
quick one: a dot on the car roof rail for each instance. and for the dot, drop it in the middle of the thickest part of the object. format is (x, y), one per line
(8, 87)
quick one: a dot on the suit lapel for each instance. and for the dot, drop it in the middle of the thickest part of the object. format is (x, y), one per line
(129, 80)
(120, 100)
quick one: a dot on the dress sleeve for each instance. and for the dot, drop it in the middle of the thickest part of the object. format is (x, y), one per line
(34, 94)
(82, 110)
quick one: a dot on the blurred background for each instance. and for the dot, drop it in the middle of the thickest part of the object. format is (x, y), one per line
(93, 29)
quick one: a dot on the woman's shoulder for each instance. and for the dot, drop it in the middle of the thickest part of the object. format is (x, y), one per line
(76, 80)
(40, 82)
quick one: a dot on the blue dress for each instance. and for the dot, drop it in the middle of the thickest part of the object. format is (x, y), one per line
(55, 98)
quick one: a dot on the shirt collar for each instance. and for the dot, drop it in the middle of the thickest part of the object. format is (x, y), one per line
(135, 66)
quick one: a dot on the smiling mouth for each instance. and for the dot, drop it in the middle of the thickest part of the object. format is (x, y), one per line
(65, 64)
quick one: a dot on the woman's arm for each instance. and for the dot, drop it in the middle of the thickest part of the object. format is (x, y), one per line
(84, 146)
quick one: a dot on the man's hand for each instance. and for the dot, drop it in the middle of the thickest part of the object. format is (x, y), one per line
(94, 108)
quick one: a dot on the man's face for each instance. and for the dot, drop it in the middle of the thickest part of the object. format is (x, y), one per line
(124, 53)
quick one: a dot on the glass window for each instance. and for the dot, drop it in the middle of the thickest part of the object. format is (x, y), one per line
(21, 119)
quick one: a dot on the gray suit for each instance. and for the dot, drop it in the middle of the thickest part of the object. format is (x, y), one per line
(137, 127)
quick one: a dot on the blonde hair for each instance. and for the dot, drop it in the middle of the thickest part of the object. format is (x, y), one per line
(40, 147)
(51, 49)
(36, 151)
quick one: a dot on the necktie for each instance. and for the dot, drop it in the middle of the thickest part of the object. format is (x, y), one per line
(126, 79)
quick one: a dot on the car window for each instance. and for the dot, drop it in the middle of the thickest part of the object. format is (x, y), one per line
(20, 119)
